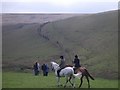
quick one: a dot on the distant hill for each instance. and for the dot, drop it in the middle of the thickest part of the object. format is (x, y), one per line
(93, 37)
(33, 18)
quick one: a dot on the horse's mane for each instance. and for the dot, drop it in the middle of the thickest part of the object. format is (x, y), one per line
(54, 63)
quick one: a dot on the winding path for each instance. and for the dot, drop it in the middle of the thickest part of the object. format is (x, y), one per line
(57, 44)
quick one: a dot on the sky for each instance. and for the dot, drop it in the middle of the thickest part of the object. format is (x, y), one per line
(58, 6)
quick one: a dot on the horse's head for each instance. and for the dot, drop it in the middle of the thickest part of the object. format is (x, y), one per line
(54, 66)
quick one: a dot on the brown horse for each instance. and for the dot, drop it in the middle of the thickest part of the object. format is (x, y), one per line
(85, 73)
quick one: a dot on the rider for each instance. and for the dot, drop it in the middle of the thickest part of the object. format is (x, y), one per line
(62, 65)
(76, 61)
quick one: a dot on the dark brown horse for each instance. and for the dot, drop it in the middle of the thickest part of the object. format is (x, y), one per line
(85, 73)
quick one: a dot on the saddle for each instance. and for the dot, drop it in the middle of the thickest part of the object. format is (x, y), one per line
(79, 69)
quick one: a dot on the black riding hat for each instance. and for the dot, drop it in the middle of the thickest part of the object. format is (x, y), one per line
(76, 56)
(61, 57)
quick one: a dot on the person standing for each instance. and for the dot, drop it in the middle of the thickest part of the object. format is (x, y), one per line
(44, 69)
(47, 70)
(36, 68)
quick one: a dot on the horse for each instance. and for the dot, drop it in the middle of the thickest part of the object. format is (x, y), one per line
(67, 72)
(85, 73)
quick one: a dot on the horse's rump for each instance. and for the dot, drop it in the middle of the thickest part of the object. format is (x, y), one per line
(84, 71)
(81, 69)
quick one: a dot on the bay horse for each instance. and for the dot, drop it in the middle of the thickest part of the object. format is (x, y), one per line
(85, 73)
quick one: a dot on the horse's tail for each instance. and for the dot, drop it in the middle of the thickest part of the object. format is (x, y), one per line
(89, 74)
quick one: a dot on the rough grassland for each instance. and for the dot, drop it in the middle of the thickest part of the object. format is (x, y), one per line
(28, 80)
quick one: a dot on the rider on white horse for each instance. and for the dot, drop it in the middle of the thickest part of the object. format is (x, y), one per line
(62, 65)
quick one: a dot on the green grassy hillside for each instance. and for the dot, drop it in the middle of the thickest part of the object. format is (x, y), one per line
(22, 46)
(93, 37)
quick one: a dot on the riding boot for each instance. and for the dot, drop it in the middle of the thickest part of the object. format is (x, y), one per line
(74, 70)
(58, 72)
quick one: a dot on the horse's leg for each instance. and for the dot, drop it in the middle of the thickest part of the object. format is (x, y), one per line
(88, 81)
(81, 81)
(58, 81)
(73, 80)
(66, 81)
(70, 80)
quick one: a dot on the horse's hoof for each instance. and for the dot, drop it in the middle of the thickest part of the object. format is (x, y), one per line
(65, 86)
(61, 85)
(58, 85)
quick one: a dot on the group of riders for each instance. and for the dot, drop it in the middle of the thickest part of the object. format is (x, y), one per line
(62, 65)
(79, 71)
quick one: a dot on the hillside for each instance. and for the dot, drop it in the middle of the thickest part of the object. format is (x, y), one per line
(22, 44)
(93, 37)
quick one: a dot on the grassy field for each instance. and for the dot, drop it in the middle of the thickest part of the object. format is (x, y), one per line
(28, 80)
(0, 79)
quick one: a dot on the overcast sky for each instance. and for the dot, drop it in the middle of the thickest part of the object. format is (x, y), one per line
(58, 6)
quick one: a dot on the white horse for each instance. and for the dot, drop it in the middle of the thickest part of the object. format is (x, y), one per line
(67, 72)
